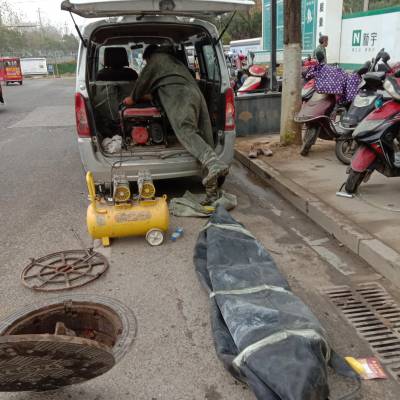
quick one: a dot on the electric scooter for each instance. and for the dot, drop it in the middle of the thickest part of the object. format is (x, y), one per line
(320, 115)
(257, 82)
(378, 138)
(370, 92)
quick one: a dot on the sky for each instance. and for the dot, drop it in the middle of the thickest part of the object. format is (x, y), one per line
(50, 11)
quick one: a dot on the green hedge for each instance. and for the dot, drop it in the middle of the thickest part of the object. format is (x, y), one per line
(66, 68)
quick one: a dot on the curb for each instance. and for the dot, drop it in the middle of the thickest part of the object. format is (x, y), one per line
(381, 257)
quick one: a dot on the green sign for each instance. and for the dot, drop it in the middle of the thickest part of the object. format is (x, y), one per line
(308, 23)
(356, 41)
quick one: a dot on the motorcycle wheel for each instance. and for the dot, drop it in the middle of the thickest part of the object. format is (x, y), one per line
(345, 150)
(354, 181)
(309, 139)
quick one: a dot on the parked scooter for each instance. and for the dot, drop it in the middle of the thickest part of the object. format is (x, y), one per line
(257, 82)
(378, 138)
(320, 114)
(370, 92)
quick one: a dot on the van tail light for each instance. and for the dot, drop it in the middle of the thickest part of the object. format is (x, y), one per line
(230, 110)
(82, 120)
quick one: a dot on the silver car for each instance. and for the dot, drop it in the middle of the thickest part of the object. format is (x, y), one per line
(110, 140)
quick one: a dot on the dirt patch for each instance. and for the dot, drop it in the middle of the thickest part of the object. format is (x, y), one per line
(280, 152)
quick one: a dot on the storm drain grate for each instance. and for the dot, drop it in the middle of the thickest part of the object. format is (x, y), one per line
(375, 316)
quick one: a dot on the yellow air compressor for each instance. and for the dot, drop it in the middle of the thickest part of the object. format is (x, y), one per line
(144, 215)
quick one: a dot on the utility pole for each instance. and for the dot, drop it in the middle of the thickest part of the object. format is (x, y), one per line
(366, 5)
(40, 22)
(291, 92)
(273, 46)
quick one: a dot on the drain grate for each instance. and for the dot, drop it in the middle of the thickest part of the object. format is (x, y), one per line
(375, 316)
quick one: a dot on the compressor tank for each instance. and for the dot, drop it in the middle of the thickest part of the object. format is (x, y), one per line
(137, 218)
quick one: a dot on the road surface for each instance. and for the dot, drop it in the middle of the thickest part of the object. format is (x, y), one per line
(43, 204)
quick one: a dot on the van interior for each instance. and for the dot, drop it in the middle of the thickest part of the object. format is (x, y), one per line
(115, 60)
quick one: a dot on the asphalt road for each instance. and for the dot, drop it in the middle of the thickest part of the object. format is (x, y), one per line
(43, 202)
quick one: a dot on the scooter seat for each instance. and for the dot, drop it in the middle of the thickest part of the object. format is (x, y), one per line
(375, 76)
(135, 112)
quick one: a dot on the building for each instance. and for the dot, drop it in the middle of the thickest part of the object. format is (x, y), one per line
(357, 29)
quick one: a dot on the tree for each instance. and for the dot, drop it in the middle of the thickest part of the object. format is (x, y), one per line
(31, 42)
(291, 93)
(245, 25)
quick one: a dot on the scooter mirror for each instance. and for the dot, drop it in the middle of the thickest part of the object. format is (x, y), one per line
(385, 57)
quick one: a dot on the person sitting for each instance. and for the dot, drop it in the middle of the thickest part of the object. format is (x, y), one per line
(115, 66)
(170, 82)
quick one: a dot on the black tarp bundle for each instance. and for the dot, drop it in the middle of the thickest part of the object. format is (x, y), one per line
(264, 334)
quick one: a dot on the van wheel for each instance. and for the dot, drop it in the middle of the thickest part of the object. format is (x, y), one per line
(354, 181)
(20, 83)
(309, 140)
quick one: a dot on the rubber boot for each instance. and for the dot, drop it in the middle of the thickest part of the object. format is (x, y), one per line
(216, 169)
(212, 195)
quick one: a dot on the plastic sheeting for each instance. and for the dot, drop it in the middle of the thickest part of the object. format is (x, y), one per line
(263, 333)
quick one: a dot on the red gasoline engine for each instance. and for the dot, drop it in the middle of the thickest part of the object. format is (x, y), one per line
(143, 126)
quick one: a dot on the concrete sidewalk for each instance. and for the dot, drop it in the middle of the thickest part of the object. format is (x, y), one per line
(367, 224)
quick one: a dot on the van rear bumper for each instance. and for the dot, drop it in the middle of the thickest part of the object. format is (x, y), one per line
(179, 166)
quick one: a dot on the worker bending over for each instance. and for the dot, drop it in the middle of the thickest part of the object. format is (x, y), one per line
(170, 82)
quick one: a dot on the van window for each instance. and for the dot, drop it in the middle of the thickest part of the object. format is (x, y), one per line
(135, 56)
(211, 62)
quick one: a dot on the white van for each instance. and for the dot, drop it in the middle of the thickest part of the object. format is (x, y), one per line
(130, 26)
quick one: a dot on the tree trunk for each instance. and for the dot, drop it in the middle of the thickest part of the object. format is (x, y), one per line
(291, 92)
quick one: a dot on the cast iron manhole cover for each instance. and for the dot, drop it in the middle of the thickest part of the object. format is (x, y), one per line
(63, 341)
(64, 270)
(375, 316)
(47, 362)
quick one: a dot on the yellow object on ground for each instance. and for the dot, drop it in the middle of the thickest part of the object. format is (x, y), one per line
(148, 218)
(355, 365)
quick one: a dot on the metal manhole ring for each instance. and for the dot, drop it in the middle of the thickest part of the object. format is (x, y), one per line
(128, 320)
(64, 270)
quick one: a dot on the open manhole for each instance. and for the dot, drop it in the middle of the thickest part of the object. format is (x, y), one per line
(375, 316)
(67, 340)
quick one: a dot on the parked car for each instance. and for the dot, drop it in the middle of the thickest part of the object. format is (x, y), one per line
(97, 101)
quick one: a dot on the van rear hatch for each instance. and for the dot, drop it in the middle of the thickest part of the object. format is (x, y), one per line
(116, 8)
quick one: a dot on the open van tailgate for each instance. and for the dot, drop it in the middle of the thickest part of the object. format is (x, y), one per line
(116, 8)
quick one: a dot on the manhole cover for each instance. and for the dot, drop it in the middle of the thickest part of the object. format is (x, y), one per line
(64, 270)
(374, 314)
(67, 340)
(46, 362)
